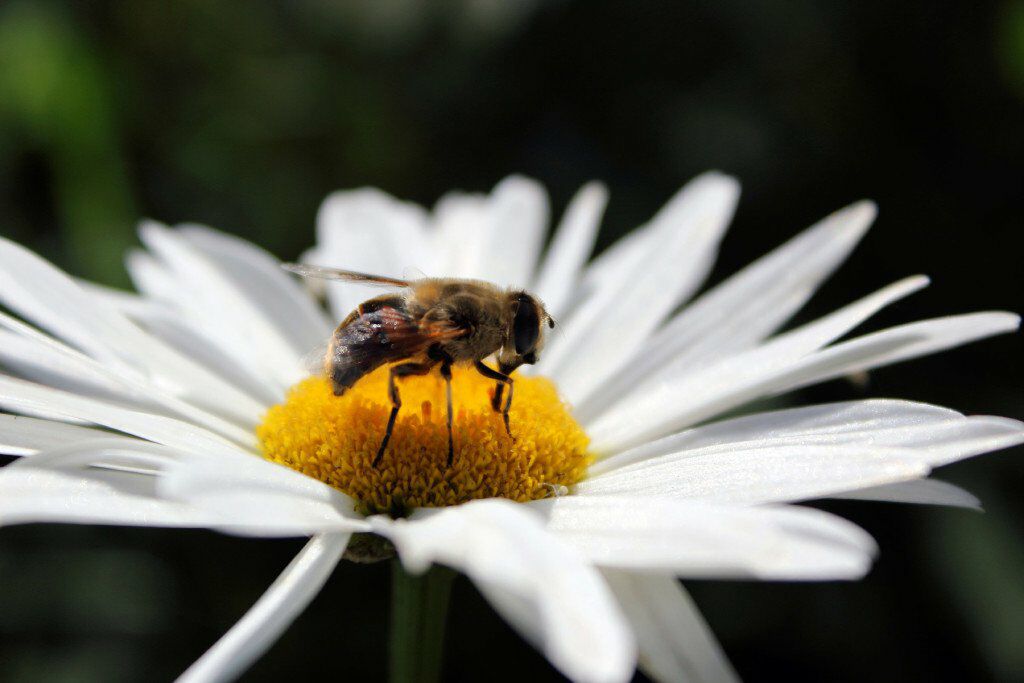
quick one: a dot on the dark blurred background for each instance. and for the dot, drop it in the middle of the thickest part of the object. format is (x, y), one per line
(245, 115)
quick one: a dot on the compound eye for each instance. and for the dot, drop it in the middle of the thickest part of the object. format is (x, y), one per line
(526, 326)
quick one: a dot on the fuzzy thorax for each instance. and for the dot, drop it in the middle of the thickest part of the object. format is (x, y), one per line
(335, 439)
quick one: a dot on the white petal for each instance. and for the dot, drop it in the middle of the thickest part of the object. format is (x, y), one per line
(25, 397)
(55, 367)
(610, 267)
(232, 492)
(217, 356)
(129, 466)
(897, 344)
(935, 436)
(675, 642)
(33, 495)
(614, 323)
(705, 540)
(514, 234)
(42, 294)
(533, 578)
(282, 300)
(601, 280)
(459, 235)
(274, 612)
(20, 435)
(260, 498)
(745, 308)
(495, 237)
(723, 380)
(775, 368)
(607, 269)
(560, 272)
(372, 232)
(162, 315)
(760, 475)
(920, 492)
(151, 278)
(204, 291)
(120, 300)
(42, 358)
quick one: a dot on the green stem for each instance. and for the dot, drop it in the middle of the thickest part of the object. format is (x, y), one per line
(419, 605)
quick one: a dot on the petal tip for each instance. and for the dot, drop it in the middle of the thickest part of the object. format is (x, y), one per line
(595, 190)
(518, 183)
(149, 226)
(726, 182)
(1003, 321)
(860, 215)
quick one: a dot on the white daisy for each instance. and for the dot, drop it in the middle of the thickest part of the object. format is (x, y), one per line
(144, 410)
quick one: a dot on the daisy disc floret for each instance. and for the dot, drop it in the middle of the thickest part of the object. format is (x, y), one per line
(335, 439)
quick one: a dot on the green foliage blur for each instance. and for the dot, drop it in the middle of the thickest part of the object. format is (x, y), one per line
(244, 115)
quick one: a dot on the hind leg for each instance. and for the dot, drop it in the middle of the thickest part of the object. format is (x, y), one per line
(397, 371)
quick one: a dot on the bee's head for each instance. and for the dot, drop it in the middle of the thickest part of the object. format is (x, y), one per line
(525, 333)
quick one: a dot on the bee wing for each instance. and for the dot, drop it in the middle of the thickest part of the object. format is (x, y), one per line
(313, 360)
(410, 336)
(412, 273)
(396, 335)
(385, 335)
(309, 270)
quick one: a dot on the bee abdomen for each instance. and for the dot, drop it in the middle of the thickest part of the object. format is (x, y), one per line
(344, 374)
(359, 346)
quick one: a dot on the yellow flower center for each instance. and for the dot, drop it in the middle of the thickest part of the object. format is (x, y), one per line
(335, 439)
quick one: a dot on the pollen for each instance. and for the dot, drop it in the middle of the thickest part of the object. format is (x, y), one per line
(336, 438)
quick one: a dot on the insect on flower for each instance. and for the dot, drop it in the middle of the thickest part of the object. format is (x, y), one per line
(434, 321)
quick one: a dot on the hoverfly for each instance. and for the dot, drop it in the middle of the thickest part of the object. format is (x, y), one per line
(432, 322)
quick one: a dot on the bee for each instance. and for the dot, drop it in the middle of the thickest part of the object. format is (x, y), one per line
(433, 322)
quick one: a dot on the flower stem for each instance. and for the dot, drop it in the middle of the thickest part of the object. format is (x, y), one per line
(419, 605)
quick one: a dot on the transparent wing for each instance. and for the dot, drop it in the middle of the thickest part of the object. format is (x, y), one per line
(390, 334)
(313, 360)
(385, 335)
(308, 270)
(411, 273)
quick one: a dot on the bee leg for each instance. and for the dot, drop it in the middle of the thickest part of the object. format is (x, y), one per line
(446, 372)
(396, 399)
(502, 379)
(508, 407)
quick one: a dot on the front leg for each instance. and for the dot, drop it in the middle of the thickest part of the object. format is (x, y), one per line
(502, 379)
(403, 370)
